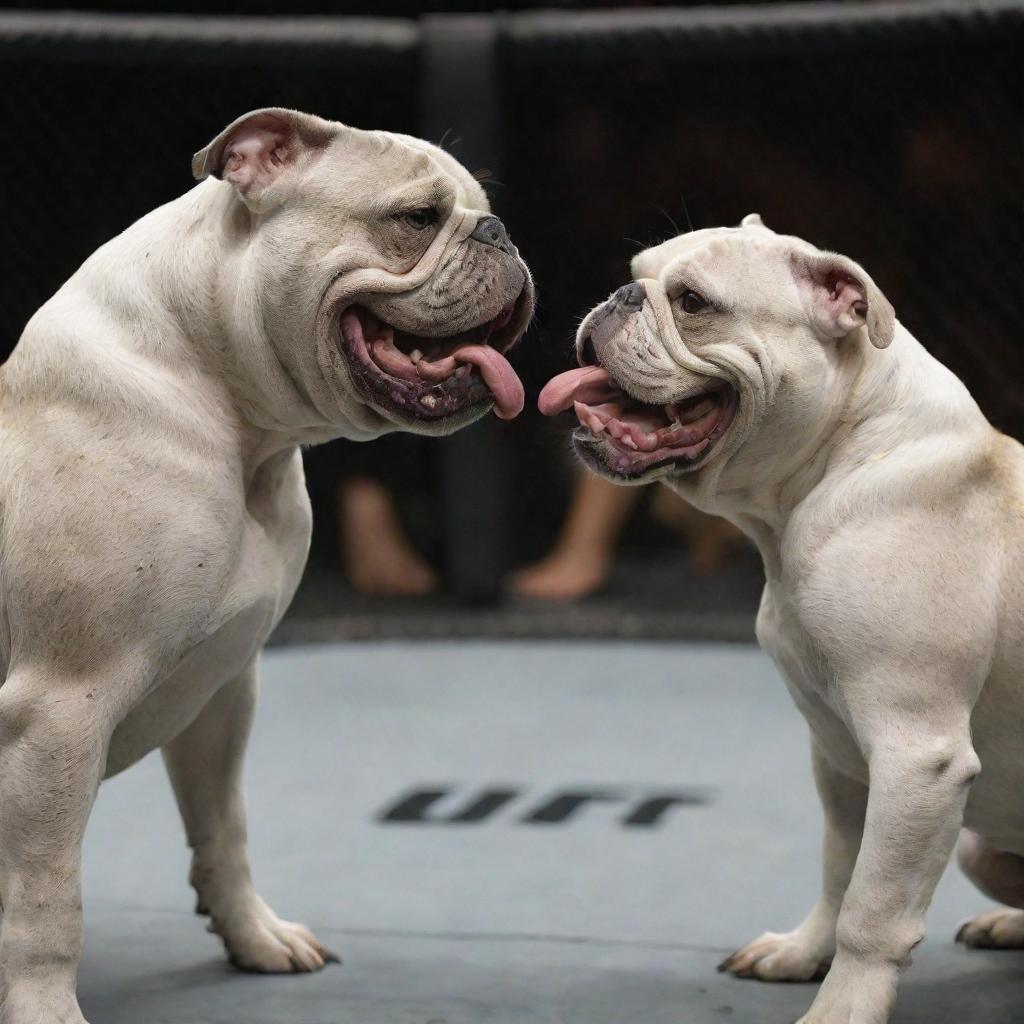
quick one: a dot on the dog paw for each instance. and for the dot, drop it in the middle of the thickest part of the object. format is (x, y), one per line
(258, 940)
(792, 956)
(854, 993)
(998, 929)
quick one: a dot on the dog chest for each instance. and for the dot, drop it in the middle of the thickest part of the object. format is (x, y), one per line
(803, 670)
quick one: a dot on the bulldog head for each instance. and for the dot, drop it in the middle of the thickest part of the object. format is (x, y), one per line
(723, 357)
(372, 264)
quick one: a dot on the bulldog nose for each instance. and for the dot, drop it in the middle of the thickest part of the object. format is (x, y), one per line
(491, 231)
(631, 296)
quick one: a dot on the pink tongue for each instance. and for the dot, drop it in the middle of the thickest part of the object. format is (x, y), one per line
(386, 355)
(498, 375)
(562, 391)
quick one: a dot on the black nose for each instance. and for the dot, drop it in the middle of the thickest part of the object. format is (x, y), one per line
(631, 296)
(491, 231)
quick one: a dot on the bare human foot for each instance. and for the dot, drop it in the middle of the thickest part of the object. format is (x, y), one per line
(582, 558)
(712, 540)
(564, 575)
(378, 557)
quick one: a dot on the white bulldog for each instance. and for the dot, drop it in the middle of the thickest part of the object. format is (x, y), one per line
(769, 382)
(322, 282)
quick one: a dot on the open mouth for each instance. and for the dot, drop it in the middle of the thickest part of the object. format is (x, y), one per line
(633, 437)
(427, 378)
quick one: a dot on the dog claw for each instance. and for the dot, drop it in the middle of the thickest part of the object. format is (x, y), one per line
(995, 929)
(791, 956)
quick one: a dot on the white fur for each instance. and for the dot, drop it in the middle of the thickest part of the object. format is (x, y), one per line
(890, 518)
(154, 522)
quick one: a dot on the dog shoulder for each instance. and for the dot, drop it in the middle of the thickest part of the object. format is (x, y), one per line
(903, 564)
(100, 534)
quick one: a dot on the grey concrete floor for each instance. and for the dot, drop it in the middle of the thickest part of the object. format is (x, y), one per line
(579, 921)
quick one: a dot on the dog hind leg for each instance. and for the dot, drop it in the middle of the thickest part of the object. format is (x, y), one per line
(1000, 876)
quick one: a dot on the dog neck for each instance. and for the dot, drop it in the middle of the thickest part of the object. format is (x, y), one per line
(155, 327)
(895, 413)
(227, 325)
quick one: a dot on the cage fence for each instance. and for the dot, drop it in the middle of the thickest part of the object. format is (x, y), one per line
(888, 131)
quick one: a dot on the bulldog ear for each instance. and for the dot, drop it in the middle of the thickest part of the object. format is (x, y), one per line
(753, 220)
(256, 149)
(842, 297)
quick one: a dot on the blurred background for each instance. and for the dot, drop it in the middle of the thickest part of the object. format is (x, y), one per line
(888, 131)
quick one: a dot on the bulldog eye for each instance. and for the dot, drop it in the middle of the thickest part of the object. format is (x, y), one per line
(420, 218)
(692, 302)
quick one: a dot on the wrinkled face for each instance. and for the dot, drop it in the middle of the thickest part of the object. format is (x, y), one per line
(389, 290)
(424, 335)
(721, 356)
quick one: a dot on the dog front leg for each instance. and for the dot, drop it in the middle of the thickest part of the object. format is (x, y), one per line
(805, 952)
(920, 776)
(53, 745)
(205, 766)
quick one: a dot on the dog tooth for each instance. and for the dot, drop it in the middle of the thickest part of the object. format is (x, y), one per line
(588, 418)
(628, 441)
(415, 355)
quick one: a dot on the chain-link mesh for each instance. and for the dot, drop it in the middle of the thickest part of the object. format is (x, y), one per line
(101, 117)
(891, 133)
